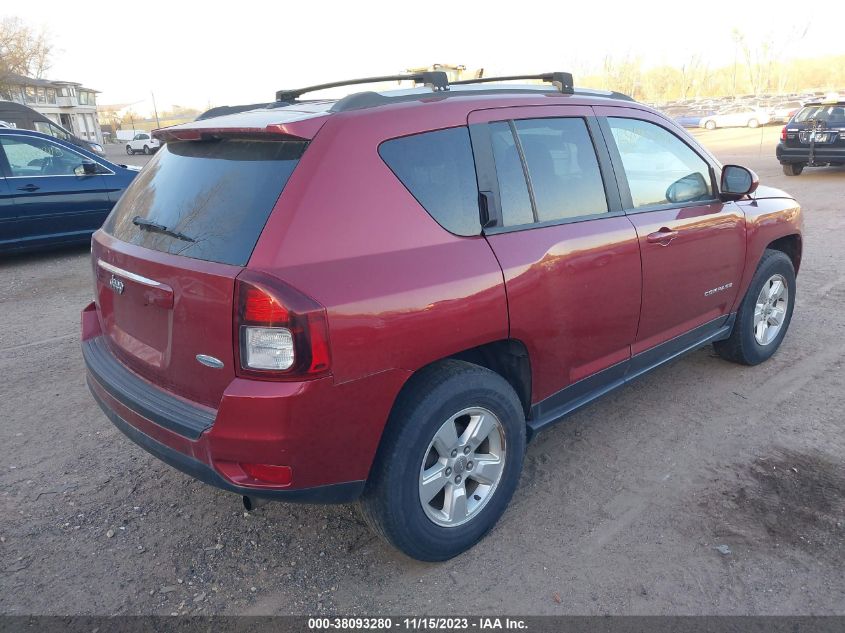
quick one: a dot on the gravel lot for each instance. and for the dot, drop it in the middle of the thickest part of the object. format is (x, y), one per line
(703, 488)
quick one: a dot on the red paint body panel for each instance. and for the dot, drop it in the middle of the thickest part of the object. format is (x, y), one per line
(562, 281)
(308, 425)
(574, 297)
(768, 219)
(399, 290)
(707, 253)
(157, 331)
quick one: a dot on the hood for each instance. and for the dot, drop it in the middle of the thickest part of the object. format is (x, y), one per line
(764, 191)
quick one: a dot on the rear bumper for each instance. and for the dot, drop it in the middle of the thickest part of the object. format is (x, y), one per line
(332, 493)
(300, 425)
(821, 154)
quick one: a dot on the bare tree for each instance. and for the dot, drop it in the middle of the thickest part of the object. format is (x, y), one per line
(23, 50)
(764, 57)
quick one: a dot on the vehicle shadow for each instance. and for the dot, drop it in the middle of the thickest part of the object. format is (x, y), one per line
(35, 257)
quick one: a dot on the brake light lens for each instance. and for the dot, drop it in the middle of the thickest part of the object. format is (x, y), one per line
(260, 307)
(280, 333)
(783, 133)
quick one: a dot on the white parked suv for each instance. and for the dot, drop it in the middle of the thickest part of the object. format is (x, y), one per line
(142, 142)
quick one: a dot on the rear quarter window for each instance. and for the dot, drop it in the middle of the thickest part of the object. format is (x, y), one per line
(438, 169)
(213, 197)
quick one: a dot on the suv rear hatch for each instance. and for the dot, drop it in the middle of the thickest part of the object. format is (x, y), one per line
(824, 124)
(166, 259)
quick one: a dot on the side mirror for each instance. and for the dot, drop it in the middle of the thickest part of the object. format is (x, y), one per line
(689, 188)
(86, 169)
(737, 182)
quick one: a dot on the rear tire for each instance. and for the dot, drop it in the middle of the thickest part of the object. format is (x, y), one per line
(793, 169)
(146, 150)
(754, 338)
(753, 123)
(710, 125)
(417, 458)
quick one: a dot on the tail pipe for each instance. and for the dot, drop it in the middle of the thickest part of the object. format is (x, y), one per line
(252, 503)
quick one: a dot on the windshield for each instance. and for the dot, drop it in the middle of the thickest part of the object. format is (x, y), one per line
(205, 199)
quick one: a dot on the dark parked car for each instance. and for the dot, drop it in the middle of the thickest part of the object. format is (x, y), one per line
(384, 297)
(17, 115)
(814, 137)
(53, 192)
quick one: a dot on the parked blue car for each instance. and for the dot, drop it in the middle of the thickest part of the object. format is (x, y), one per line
(53, 192)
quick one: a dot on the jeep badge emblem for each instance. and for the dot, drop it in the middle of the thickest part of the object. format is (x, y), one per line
(116, 285)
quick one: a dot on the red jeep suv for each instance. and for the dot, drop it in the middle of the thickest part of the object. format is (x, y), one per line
(383, 297)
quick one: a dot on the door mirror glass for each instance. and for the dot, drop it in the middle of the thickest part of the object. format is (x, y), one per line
(688, 189)
(738, 181)
(85, 169)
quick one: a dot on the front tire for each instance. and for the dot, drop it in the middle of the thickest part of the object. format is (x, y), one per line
(449, 461)
(793, 169)
(753, 123)
(710, 125)
(764, 314)
(130, 151)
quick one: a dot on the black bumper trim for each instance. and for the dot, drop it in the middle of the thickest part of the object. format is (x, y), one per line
(135, 393)
(821, 153)
(334, 493)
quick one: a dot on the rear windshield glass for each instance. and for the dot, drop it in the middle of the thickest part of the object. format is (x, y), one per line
(205, 199)
(834, 114)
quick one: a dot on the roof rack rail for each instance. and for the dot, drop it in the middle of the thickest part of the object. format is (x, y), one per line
(562, 81)
(438, 80)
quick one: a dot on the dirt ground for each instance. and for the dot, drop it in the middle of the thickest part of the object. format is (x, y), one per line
(703, 488)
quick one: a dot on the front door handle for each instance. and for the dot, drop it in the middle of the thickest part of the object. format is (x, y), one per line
(29, 188)
(662, 237)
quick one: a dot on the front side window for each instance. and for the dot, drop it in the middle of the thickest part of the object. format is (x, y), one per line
(661, 169)
(37, 157)
(559, 178)
(438, 169)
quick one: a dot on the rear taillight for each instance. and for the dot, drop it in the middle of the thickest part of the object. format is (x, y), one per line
(281, 334)
(783, 133)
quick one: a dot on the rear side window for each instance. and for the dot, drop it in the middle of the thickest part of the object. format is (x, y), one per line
(560, 170)
(439, 171)
(207, 200)
(513, 192)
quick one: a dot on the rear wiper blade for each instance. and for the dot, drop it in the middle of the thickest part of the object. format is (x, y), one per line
(149, 225)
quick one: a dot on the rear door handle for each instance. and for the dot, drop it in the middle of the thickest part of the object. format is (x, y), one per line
(662, 237)
(29, 188)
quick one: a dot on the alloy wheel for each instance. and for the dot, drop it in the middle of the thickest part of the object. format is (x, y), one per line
(462, 467)
(770, 309)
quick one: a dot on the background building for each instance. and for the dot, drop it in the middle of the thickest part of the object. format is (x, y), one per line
(68, 103)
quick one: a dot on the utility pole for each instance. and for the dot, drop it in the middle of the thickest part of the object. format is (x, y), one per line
(155, 110)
